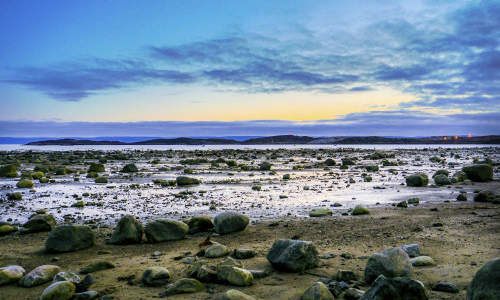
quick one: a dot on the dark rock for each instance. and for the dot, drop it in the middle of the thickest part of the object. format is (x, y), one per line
(446, 287)
(485, 284)
(293, 255)
(479, 172)
(127, 231)
(228, 222)
(393, 262)
(69, 238)
(165, 230)
(399, 288)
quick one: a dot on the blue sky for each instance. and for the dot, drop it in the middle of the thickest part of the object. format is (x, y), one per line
(172, 68)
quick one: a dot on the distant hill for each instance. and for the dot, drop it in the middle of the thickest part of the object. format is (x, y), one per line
(284, 140)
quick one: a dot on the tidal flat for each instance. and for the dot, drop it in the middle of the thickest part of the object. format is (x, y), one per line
(429, 196)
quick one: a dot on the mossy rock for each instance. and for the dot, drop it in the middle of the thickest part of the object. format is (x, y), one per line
(442, 179)
(265, 166)
(15, 196)
(165, 230)
(79, 204)
(479, 173)
(360, 210)
(127, 231)
(44, 180)
(487, 196)
(318, 291)
(95, 167)
(184, 180)
(92, 175)
(69, 238)
(8, 171)
(129, 168)
(320, 212)
(59, 290)
(485, 284)
(37, 175)
(101, 179)
(441, 172)
(39, 223)
(25, 184)
(200, 224)
(417, 180)
(7, 229)
(184, 285)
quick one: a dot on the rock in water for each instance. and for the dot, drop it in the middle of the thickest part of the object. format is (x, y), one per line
(413, 250)
(10, 274)
(228, 222)
(293, 255)
(200, 224)
(234, 295)
(393, 262)
(155, 276)
(479, 173)
(59, 290)
(486, 282)
(39, 223)
(127, 231)
(184, 285)
(39, 275)
(69, 238)
(165, 230)
(399, 288)
(419, 179)
(318, 291)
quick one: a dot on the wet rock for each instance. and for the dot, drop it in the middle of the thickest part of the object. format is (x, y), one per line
(393, 262)
(97, 266)
(67, 276)
(243, 253)
(446, 287)
(69, 238)
(417, 180)
(413, 250)
(485, 285)
(183, 286)
(165, 230)
(293, 255)
(39, 275)
(318, 291)
(216, 250)
(127, 231)
(360, 210)
(228, 222)
(422, 261)
(155, 276)
(10, 274)
(200, 224)
(320, 212)
(479, 172)
(234, 295)
(39, 223)
(59, 290)
(88, 295)
(399, 288)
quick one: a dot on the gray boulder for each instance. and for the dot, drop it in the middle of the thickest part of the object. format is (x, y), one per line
(399, 288)
(228, 222)
(393, 262)
(165, 230)
(413, 250)
(127, 231)
(67, 276)
(293, 255)
(69, 238)
(486, 282)
(155, 276)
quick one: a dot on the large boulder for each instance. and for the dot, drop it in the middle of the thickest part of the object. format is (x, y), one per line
(155, 276)
(39, 275)
(479, 173)
(442, 179)
(9, 171)
(393, 262)
(419, 179)
(487, 196)
(127, 231)
(165, 230)
(399, 288)
(10, 274)
(486, 282)
(293, 255)
(59, 290)
(200, 224)
(318, 291)
(39, 223)
(228, 222)
(69, 238)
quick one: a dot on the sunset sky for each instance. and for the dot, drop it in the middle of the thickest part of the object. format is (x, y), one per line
(218, 68)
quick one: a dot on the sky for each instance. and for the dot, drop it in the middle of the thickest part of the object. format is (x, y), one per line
(257, 67)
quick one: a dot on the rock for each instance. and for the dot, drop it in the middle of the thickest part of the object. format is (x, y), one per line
(243, 253)
(360, 210)
(25, 184)
(417, 180)
(129, 168)
(184, 285)
(413, 250)
(127, 231)
(422, 261)
(485, 284)
(69, 238)
(259, 273)
(39, 275)
(399, 288)
(293, 255)
(200, 224)
(353, 294)
(479, 172)
(442, 179)
(225, 267)
(486, 196)
(85, 283)
(343, 275)
(155, 276)
(446, 287)
(402, 204)
(318, 291)
(202, 272)
(10, 274)
(88, 295)
(184, 180)
(393, 262)
(320, 212)
(337, 287)
(237, 276)
(97, 168)
(228, 222)
(67, 276)
(7, 229)
(462, 197)
(414, 201)
(216, 250)
(459, 176)
(165, 230)
(8, 171)
(39, 223)
(234, 295)
(97, 266)
(59, 290)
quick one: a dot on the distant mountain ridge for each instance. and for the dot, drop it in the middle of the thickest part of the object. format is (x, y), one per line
(282, 140)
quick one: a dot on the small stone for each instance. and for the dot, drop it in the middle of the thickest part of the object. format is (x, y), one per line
(67, 276)
(446, 287)
(320, 212)
(228, 222)
(422, 261)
